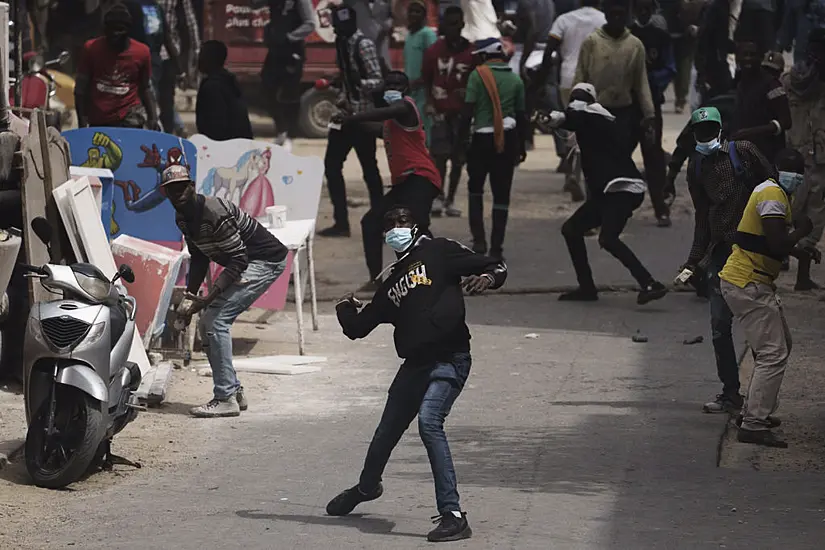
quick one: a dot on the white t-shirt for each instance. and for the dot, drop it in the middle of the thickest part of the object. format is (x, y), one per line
(572, 28)
(480, 20)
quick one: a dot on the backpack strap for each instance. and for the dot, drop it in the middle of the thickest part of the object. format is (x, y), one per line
(738, 170)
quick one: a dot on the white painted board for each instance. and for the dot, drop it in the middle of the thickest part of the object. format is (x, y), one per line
(93, 236)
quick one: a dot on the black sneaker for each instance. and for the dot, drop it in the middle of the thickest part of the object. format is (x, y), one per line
(580, 295)
(663, 221)
(370, 287)
(653, 291)
(335, 231)
(762, 437)
(347, 500)
(497, 255)
(480, 247)
(450, 527)
(773, 421)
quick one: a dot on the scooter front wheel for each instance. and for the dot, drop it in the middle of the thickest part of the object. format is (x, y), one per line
(57, 459)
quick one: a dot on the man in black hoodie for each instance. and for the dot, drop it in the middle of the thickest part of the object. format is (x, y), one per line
(221, 111)
(615, 190)
(422, 297)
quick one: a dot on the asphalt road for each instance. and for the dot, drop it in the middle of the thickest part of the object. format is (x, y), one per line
(572, 438)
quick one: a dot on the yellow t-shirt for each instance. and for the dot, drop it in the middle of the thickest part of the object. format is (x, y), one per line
(751, 261)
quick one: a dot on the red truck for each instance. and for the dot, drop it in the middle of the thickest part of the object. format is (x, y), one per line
(240, 24)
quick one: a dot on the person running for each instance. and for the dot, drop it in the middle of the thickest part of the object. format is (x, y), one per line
(747, 282)
(447, 64)
(290, 23)
(362, 79)
(422, 298)
(220, 112)
(415, 179)
(419, 38)
(113, 85)
(494, 103)
(762, 114)
(615, 190)
(720, 176)
(217, 231)
(651, 29)
(805, 85)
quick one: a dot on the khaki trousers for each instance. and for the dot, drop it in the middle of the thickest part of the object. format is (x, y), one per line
(809, 199)
(760, 313)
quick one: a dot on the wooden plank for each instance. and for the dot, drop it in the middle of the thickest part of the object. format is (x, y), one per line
(55, 151)
(157, 391)
(34, 205)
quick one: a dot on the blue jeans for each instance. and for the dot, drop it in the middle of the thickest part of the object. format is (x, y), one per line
(428, 391)
(216, 321)
(721, 320)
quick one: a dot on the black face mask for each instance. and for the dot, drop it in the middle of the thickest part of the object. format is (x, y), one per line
(343, 21)
(118, 41)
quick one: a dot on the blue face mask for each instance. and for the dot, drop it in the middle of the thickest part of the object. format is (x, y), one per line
(399, 238)
(707, 147)
(391, 96)
(790, 181)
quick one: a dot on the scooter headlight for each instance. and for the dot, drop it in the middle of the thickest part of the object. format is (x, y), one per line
(37, 333)
(92, 337)
(96, 288)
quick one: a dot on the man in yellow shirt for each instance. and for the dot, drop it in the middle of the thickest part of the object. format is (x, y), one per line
(763, 238)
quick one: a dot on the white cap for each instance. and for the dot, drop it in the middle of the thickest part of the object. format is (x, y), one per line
(586, 87)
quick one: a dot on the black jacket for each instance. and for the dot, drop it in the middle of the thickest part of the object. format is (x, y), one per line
(221, 111)
(604, 155)
(423, 299)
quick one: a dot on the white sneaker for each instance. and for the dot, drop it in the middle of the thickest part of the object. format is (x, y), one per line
(438, 207)
(217, 409)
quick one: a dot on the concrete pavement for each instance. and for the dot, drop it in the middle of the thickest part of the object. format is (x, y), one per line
(576, 438)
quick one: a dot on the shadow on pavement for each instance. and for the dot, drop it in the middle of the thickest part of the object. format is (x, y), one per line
(365, 524)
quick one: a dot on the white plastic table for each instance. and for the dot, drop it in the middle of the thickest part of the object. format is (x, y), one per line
(297, 236)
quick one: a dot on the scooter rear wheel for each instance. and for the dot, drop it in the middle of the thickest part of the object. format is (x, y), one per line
(57, 460)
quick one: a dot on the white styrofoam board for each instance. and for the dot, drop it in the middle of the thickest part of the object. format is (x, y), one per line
(288, 370)
(93, 236)
(61, 198)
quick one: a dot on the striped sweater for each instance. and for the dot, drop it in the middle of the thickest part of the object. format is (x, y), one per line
(221, 232)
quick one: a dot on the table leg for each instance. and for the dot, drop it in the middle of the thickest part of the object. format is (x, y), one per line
(299, 299)
(312, 294)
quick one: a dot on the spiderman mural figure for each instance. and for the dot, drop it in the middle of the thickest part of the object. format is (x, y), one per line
(133, 198)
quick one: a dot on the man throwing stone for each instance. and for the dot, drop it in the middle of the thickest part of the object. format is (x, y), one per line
(422, 298)
(252, 258)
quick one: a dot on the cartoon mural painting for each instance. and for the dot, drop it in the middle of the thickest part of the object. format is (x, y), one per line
(137, 158)
(132, 193)
(245, 183)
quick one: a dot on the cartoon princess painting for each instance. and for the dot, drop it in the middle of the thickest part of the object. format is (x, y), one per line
(245, 183)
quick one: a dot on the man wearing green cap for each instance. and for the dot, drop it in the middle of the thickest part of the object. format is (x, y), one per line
(721, 176)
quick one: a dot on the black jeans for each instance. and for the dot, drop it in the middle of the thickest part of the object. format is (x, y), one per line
(428, 391)
(445, 145)
(282, 88)
(721, 322)
(416, 193)
(653, 155)
(610, 211)
(484, 160)
(339, 144)
(166, 95)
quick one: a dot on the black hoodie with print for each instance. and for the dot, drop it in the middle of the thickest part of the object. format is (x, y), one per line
(221, 111)
(422, 297)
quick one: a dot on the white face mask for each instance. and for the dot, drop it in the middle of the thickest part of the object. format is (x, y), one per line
(790, 181)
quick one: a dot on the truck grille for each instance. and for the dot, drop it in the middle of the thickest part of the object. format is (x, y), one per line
(64, 332)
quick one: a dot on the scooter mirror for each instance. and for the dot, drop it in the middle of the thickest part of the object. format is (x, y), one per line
(43, 229)
(63, 58)
(126, 273)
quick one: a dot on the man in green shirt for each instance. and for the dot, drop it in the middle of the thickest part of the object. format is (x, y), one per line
(494, 104)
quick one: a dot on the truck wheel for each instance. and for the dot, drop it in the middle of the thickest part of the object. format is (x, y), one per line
(317, 107)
